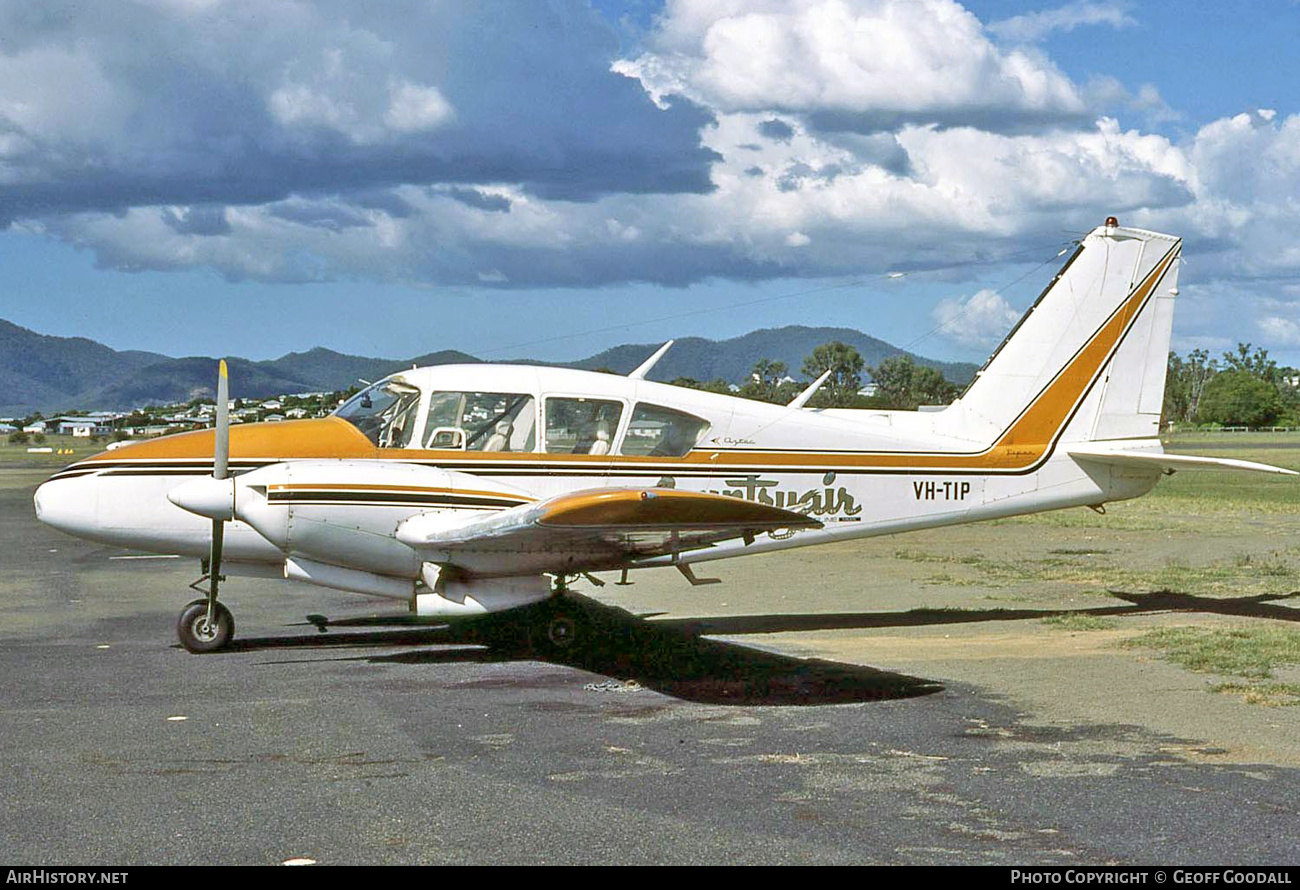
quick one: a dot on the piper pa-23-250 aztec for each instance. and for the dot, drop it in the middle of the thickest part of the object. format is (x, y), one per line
(462, 490)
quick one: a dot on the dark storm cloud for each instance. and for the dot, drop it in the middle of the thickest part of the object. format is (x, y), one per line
(249, 102)
(480, 200)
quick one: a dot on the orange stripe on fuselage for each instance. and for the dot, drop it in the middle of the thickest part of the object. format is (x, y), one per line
(1023, 444)
(326, 437)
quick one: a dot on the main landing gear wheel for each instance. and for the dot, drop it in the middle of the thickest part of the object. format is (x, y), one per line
(561, 631)
(199, 635)
(561, 627)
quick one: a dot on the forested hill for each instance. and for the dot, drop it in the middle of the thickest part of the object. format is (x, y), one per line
(44, 373)
(733, 359)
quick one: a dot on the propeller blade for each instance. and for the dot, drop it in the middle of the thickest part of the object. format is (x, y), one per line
(220, 470)
(221, 453)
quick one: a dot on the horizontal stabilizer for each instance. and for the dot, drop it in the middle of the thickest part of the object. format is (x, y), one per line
(1155, 460)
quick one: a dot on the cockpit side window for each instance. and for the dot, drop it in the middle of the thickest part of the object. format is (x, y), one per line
(386, 413)
(481, 421)
(662, 432)
(581, 426)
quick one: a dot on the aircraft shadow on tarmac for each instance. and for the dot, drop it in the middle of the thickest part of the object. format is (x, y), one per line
(659, 655)
(675, 656)
(1261, 606)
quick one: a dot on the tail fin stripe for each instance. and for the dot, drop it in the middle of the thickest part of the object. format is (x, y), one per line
(1047, 415)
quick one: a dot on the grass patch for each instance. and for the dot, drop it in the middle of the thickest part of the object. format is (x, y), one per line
(1078, 621)
(1272, 565)
(75, 447)
(1094, 571)
(1272, 695)
(1241, 652)
(1244, 574)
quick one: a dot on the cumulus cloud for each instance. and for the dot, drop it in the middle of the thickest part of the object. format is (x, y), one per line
(852, 65)
(508, 146)
(1035, 26)
(1279, 330)
(110, 106)
(982, 319)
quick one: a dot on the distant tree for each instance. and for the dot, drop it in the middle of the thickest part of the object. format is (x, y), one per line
(845, 364)
(932, 388)
(38, 438)
(717, 385)
(764, 382)
(17, 437)
(903, 384)
(1288, 387)
(1256, 364)
(1185, 381)
(893, 379)
(1239, 398)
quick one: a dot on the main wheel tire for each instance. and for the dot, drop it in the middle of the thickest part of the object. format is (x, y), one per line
(561, 631)
(198, 635)
(562, 627)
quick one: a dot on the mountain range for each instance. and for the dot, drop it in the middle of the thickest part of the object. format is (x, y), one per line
(44, 373)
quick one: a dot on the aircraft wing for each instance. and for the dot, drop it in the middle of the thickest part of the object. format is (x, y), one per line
(1155, 460)
(589, 530)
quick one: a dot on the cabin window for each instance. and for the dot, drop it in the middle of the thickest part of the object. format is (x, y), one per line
(480, 421)
(581, 426)
(662, 432)
(385, 413)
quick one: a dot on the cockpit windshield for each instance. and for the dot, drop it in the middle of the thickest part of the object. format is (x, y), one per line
(387, 413)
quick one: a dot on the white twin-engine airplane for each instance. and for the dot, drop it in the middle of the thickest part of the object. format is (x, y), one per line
(462, 490)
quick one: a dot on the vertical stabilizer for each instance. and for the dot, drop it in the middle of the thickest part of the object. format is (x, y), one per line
(1087, 361)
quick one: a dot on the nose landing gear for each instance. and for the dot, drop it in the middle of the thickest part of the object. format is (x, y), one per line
(206, 625)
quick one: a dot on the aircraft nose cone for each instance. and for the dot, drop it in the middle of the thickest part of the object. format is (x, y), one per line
(66, 504)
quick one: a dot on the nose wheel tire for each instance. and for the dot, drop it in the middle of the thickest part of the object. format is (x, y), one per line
(199, 635)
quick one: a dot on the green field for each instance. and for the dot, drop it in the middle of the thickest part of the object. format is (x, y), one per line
(74, 449)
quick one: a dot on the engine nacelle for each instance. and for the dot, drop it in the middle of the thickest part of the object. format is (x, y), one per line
(345, 512)
(297, 568)
(463, 598)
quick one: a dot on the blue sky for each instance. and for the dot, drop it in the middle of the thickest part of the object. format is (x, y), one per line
(545, 180)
